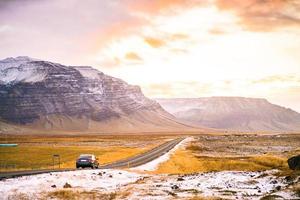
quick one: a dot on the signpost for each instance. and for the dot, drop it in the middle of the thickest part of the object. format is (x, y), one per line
(56, 156)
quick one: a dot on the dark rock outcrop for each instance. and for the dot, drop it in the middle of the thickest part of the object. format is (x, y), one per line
(67, 185)
(294, 162)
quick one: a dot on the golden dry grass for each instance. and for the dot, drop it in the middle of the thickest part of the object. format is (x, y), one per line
(195, 147)
(78, 138)
(270, 161)
(233, 152)
(67, 194)
(183, 161)
(36, 152)
(296, 189)
(36, 157)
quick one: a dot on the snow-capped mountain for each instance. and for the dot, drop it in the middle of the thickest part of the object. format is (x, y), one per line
(233, 113)
(11, 72)
(46, 95)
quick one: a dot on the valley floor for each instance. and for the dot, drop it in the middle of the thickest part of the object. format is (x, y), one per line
(200, 167)
(36, 151)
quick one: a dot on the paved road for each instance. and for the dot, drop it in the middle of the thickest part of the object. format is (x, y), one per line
(125, 163)
(145, 157)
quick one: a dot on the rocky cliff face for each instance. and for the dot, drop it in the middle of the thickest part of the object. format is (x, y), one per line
(234, 113)
(51, 95)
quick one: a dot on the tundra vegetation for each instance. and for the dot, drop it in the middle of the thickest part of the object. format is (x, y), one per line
(205, 153)
(236, 152)
(35, 152)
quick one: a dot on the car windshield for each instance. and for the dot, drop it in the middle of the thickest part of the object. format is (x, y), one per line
(86, 156)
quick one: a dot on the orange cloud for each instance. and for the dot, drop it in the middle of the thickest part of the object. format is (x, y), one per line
(158, 42)
(263, 15)
(103, 36)
(154, 42)
(179, 36)
(133, 56)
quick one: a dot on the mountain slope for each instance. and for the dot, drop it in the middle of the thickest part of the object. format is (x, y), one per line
(49, 96)
(233, 113)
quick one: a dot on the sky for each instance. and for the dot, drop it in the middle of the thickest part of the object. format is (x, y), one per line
(171, 48)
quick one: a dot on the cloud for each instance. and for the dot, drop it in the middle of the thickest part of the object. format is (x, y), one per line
(155, 90)
(178, 89)
(263, 15)
(8, 3)
(278, 78)
(68, 31)
(282, 94)
(5, 29)
(266, 15)
(164, 39)
(154, 42)
(286, 96)
(74, 31)
(216, 31)
(179, 36)
(133, 56)
(179, 51)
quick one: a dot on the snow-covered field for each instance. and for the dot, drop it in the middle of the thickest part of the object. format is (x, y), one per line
(227, 184)
(102, 180)
(232, 185)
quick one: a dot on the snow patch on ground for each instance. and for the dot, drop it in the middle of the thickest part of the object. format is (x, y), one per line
(102, 180)
(226, 184)
(153, 165)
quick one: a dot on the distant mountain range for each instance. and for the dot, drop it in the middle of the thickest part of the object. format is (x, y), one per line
(42, 95)
(39, 96)
(233, 113)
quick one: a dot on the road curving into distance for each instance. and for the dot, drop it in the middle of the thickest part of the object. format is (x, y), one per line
(144, 157)
(134, 161)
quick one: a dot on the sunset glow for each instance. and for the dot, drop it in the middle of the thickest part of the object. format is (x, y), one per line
(170, 48)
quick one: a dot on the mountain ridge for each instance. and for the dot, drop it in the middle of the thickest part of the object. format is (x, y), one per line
(233, 113)
(50, 96)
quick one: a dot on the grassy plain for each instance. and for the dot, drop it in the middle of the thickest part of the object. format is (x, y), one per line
(77, 195)
(210, 152)
(233, 152)
(36, 152)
